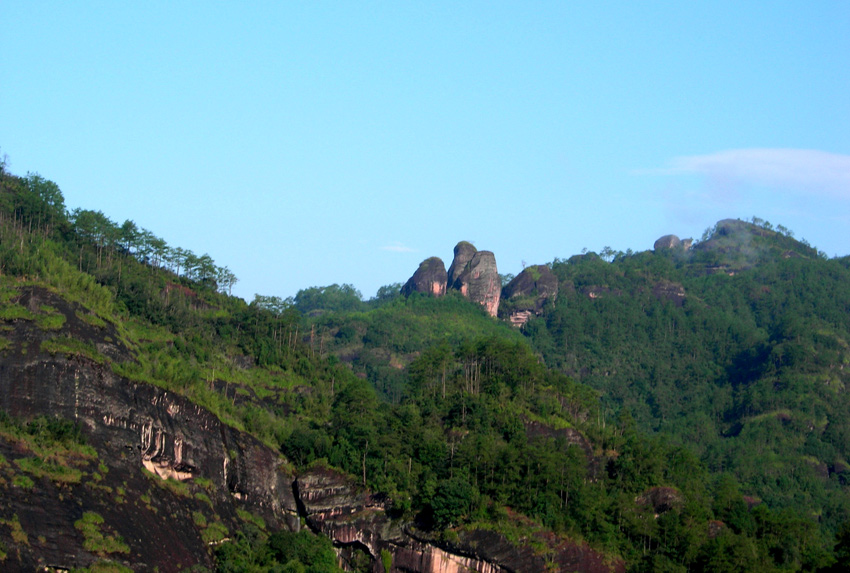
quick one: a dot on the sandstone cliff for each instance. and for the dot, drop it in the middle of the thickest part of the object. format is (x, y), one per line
(430, 277)
(169, 481)
(463, 253)
(472, 272)
(479, 281)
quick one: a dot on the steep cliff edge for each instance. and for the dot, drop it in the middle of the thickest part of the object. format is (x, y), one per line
(162, 481)
(473, 273)
(145, 437)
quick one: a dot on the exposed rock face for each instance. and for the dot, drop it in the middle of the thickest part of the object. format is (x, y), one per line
(518, 318)
(135, 425)
(488, 551)
(348, 514)
(667, 242)
(426, 558)
(463, 253)
(672, 242)
(479, 281)
(537, 280)
(430, 277)
(472, 272)
(526, 294)
(132, 426)
(345, 512)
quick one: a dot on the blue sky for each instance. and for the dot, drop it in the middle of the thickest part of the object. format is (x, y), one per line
(310, 143)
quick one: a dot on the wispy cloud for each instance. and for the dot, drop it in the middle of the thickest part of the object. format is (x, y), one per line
(397, 247)
(800, 170)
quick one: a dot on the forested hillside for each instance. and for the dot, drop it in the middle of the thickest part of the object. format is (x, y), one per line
(737, 349)
(671, 411)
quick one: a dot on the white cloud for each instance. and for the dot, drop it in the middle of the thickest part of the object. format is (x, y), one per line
(398, 248)
(800, 170)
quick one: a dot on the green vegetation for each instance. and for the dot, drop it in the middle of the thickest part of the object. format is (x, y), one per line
(70, 347)
(17, 533)
(23, 482)
(719, 375)
(92, 527)
(251, 550)
(199, 519)
(214, 533)
(104, 566)
(747, 370)
(249, 517)
(204, 498)
(56, 450)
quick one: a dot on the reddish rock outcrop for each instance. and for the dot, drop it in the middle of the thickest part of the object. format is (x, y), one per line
(487, 550)
(463, 253)
(479, 281)
(338, 507)
(430, 277)
(472, 272)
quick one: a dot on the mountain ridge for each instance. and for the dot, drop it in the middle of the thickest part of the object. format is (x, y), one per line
(620, 422)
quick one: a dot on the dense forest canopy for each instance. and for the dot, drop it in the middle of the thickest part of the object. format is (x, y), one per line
(699, 430)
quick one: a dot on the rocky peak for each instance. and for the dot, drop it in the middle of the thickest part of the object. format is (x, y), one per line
(667, 242)
(464, 251)
(479, 281)
(430, 277)
(672, 242)
(472, 272)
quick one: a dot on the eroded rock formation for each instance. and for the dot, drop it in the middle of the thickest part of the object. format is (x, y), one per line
(134, 427)
(210, 467)
(472, 272)
(430, 277)
(526, 294)
(351, 516)
(479, 281)
(672, 242)
(463, 253)
(667, 242)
